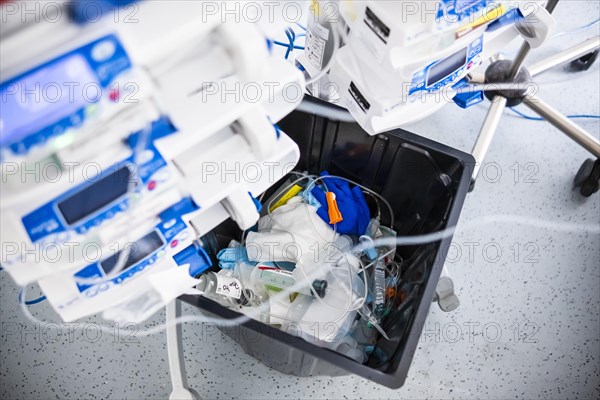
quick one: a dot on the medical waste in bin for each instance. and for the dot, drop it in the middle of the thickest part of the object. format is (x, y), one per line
(339, 302)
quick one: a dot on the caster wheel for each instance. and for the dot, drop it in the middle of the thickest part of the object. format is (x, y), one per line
(444, 295)
(584, 63)
(472, 185)
(588, 177)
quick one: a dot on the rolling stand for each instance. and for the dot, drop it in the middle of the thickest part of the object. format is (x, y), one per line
(500, 71)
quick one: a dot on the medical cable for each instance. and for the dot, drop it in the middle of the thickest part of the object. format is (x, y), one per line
(29, 302)
(577, 30)
(314, 180)
(399, 241)
(132, 188)
(330, 243)
(528, 117)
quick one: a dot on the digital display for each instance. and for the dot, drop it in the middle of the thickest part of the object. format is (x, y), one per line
(445, 67)
(137, 252)
(96, 196)
(45, 96)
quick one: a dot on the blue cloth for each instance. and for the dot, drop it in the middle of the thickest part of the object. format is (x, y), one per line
(351, 203)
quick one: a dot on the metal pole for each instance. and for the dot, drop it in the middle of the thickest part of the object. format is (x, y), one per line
(564, 124)
(525, 48)
(180, 388)
(487, 132)
(518, 61)
(566, 56)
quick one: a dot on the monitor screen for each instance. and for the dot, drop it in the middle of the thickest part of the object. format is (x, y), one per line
(96, 196)
(45, 96)
(445, 67)
(137, 252)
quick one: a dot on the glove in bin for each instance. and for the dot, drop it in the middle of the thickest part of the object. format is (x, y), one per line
(426, 184)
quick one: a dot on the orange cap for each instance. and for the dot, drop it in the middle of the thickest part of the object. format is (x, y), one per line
(335, 215)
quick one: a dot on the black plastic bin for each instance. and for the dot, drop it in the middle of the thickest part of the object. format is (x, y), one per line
(426, 184)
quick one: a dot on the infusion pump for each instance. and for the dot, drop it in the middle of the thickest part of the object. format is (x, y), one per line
(400, 61)
(116, 136)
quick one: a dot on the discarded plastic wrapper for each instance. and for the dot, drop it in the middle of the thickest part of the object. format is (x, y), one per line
(295, 244)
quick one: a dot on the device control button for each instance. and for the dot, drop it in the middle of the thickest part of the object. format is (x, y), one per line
(103, 50)
(146, 156)
(58, 130)
(183, 235)
(114, 95)
(163, 175)
(75, 121)
(170, 223)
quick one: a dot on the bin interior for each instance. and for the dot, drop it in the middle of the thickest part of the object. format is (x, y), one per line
(425, 183)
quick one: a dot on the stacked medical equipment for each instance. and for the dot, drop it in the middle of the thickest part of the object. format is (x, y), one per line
(124, 143)
(401, 61)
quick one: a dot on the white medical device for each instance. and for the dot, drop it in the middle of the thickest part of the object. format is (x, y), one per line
(63, 83)
(192, 136)
(169, 245)
(402, 61)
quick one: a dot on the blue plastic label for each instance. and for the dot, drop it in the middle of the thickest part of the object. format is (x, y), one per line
(457, 10)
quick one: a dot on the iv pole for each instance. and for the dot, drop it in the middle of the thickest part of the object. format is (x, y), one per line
(589, 173)
(181, 390)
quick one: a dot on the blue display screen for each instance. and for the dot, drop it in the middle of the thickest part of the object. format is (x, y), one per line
(137, 252)
(45, 96)
(96, 196)
(447, 66)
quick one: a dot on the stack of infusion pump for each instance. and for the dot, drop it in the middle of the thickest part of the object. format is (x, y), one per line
(400, 61)
(125, 141)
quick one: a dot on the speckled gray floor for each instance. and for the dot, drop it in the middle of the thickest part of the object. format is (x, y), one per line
(528, 325)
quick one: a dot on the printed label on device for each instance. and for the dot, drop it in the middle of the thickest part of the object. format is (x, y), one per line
(229, 286)
(316, 40)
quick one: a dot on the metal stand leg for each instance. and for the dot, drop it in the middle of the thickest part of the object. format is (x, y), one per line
(588, 178)
(568, 127)
(566, 56)
(518, 61)
(176, 359)
(487, 132)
